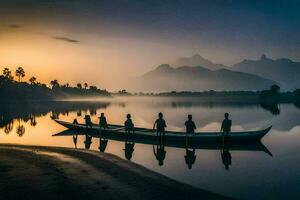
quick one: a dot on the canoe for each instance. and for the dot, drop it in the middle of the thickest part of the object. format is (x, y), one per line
(171, 136)
(249, 146)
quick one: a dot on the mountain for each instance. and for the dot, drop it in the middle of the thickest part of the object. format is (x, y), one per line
(197, 60)
(185, 78)
(284, 71)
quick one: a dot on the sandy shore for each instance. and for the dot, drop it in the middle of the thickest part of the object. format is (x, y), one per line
(33, 172)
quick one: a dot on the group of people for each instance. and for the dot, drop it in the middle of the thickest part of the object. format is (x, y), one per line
(159, 124)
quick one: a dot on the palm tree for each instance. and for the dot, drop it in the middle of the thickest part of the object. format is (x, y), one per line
(79, 85)
(32, 80)
(85, 85)
(20, 73)
(54, 83)
(7, 73)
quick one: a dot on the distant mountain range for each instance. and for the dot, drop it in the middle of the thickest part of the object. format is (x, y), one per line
(197, 74)
(167, 78)
(197, 60)
(284, 71)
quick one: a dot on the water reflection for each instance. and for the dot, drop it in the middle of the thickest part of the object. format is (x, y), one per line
(24, 112)
(31, 111)
(159, 146)
(247, 164)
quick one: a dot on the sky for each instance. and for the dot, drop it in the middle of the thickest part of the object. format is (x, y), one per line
(105, 42)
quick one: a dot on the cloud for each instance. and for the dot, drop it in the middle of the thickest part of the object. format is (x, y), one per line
(14, 26)
(66, 39)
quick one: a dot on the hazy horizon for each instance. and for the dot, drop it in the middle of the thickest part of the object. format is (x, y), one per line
(106, 42)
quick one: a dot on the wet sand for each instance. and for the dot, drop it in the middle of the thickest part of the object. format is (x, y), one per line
(33, 172)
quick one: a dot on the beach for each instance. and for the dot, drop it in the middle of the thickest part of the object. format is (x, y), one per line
(36, 172)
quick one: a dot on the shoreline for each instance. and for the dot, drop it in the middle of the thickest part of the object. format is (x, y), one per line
(35, 172)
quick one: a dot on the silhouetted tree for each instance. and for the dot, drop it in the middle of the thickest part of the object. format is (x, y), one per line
(54, 83)
(79, 85)
(20, 73)
(85, 85)
(93, 87)
(7, 73)
(32, 80)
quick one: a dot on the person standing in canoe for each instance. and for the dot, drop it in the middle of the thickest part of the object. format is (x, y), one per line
(160, 125)
(226, 125)
(190, 125)
(129, 126)
(103, 122)
(88, 121)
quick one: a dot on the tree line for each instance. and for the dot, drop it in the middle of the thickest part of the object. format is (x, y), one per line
(14, 88)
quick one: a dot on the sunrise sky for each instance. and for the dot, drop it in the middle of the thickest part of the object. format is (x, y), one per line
(104, 41)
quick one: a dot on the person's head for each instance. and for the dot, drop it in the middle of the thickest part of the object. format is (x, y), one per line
(190, 117)
(190, 166)
(128, 116)
(226, 115)
(226, 167)
(160, 115)
(102, 114)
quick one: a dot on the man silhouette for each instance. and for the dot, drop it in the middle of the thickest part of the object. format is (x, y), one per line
(190, 125)
(226, 125)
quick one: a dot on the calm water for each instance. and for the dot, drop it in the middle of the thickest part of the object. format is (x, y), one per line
(252, 174)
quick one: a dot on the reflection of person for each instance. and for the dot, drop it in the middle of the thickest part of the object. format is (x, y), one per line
(129, 126)
(88, 141)
(190, 157)
(102, 144)
(129, 149)
(226, 125)
(88, 121)
(160, 154)
(75, 140)
(102, 121)
(226, 157)
(160, 125)
(190, 125)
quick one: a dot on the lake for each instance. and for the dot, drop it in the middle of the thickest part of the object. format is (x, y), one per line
(250, 173)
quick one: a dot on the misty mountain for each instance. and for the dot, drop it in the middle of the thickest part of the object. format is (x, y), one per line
(197, 60)
(284, 71)
(185, 78)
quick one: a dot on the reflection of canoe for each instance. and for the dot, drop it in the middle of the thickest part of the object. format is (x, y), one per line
(250, 146)
(171, 136)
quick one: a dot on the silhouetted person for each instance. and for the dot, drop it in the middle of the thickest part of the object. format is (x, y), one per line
(75, 140)
(129, 126)
(88, 141)
(103, 122)
(226, 125)
(226, 157)
(75, 122)
(190, 157)
(129, 149)
(160, 125)
(102, 144)
(190, 125)
(160, 154)
(88, 121)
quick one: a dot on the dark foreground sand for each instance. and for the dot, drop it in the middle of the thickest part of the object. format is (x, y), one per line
(32, 172)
